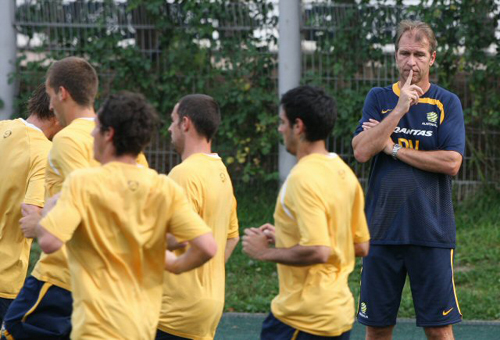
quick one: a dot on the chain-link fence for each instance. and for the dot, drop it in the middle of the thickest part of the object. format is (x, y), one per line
(65, 27)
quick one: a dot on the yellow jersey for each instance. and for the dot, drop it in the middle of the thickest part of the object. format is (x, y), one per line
(72, 149)
(24, 149)
(114, 220)
(320, 204)
(193, 302)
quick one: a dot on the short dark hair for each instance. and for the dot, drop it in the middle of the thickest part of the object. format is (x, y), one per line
(133, 119)
(203, 111)
(39, 104)
(77, 76)
(314, 107)
(419, 28)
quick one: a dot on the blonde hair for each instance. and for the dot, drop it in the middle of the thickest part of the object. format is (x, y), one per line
(420, 28)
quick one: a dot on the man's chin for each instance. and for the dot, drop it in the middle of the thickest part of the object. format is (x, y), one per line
(290, 151)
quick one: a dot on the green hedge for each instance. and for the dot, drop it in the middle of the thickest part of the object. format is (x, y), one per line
(168, 50)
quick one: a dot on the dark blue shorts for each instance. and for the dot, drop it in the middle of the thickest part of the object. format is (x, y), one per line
(161, 335)
(431, 280)
(4, 305)
(274, 329)
(41, 311)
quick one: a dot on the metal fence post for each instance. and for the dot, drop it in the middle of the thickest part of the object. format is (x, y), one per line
(289, 65)
(8, 57)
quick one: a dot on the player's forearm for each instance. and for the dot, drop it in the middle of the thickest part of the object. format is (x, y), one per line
(372, 141)
(201, 249)
(230, 245)
(48, 243)
(31, 217)
(439, 161)
(297, 255)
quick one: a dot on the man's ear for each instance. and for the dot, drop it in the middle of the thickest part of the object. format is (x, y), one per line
(433, 58)
(299, 127)
(63, 93)
(185, 123)
(109, 134)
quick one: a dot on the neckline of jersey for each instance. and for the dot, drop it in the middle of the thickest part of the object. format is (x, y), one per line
(90, 119)
(331, 155)
(397, 90)
(31, 125)
(212, 155)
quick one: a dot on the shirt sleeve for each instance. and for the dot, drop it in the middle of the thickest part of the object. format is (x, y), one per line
(233, 223)
(35, 192)
(451, 133)
(185, 224)
(65, 217)
(359, 226)
(66, 156)
(371, 109)
(310, 214)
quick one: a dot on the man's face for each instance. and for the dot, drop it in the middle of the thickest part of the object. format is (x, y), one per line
(413, 54)
(55, 104)
(175, 130)
(98, 141)
(284, 128)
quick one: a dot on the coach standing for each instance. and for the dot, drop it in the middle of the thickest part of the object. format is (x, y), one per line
(414, 133)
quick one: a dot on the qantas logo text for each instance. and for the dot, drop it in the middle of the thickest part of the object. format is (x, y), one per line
(413, 132)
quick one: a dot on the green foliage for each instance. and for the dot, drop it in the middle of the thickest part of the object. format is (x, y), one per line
(350, 57)
(166, 49)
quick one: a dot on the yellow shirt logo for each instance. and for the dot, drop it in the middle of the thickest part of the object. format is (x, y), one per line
(432, 117)
(363, 307)
(133, 185)
(7, 134)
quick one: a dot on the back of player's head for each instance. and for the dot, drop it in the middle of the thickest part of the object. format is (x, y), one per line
(39, 104)
(132, 118)
(314, 107)
(421, 30)
(203, 111)
(77, 76)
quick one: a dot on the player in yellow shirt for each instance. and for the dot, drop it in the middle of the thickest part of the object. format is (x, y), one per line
(24, 146)
(114, 220)
(43, 308)
(193, 302)
(320, 227)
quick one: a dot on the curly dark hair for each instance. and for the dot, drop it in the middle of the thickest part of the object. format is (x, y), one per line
(39, 104)
(314, 107)
(203, 111)
(77, 76)
(133, 119)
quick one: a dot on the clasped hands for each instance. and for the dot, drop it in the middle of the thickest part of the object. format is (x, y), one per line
(258, 240)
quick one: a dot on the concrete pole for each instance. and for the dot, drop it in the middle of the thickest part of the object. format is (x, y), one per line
(8, 49)
(289, 64)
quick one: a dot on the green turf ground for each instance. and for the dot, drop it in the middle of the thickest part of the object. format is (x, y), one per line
(236, 326)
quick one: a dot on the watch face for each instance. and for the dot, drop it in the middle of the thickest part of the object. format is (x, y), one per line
(395, 150)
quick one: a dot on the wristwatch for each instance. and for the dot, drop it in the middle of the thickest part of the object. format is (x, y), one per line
(395, 150)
